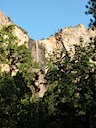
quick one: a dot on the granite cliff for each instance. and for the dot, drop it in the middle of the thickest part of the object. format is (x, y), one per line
(18, 31)
(66, 37)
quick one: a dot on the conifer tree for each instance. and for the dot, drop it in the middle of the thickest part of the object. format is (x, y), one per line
(91, 9)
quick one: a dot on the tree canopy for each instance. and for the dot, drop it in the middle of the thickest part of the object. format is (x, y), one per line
(92, 11)
(15, 82)
(72, 94)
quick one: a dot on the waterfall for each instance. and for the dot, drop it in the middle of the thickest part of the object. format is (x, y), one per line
(37, 55)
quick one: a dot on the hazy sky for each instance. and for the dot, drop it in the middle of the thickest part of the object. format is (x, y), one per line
(42, 18)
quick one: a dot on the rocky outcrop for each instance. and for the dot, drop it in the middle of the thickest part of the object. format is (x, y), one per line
(4, 20)
(70, 36)
(22, 37)
(67, 38)
(20, 33)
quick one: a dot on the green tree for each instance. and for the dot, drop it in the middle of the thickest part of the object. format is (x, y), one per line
(13, 93)
(18, 58)
(92, 11)
(15, 89)
(72, 93)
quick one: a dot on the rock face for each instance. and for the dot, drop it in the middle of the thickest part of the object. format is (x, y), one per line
(4, 20)
(70, 36)
(40, 48)
(19, 32)
(67, 38)
(22, 37)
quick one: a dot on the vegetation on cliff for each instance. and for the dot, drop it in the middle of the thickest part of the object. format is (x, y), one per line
(16, 79)
(70, 101)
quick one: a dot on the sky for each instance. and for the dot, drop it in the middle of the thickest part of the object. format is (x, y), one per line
(42, 18)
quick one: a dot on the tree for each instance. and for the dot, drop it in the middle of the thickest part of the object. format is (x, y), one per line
(92, 11)
(11, 53)
(72, 93)
(17, 58)
(16, 83)
(13, 95)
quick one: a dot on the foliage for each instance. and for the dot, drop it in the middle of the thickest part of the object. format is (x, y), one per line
(92, 11)
(15, 92)
(17, 57)
(72, 94)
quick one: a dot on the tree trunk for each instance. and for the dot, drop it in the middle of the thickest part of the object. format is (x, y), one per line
(88, 120)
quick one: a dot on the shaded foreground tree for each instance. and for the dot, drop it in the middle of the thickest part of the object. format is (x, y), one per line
(15, 83)
(92, 11)
(71, 99)
(13, 95)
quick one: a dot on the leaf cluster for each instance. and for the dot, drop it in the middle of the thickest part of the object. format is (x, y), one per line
(72, 93)
(91, 7)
